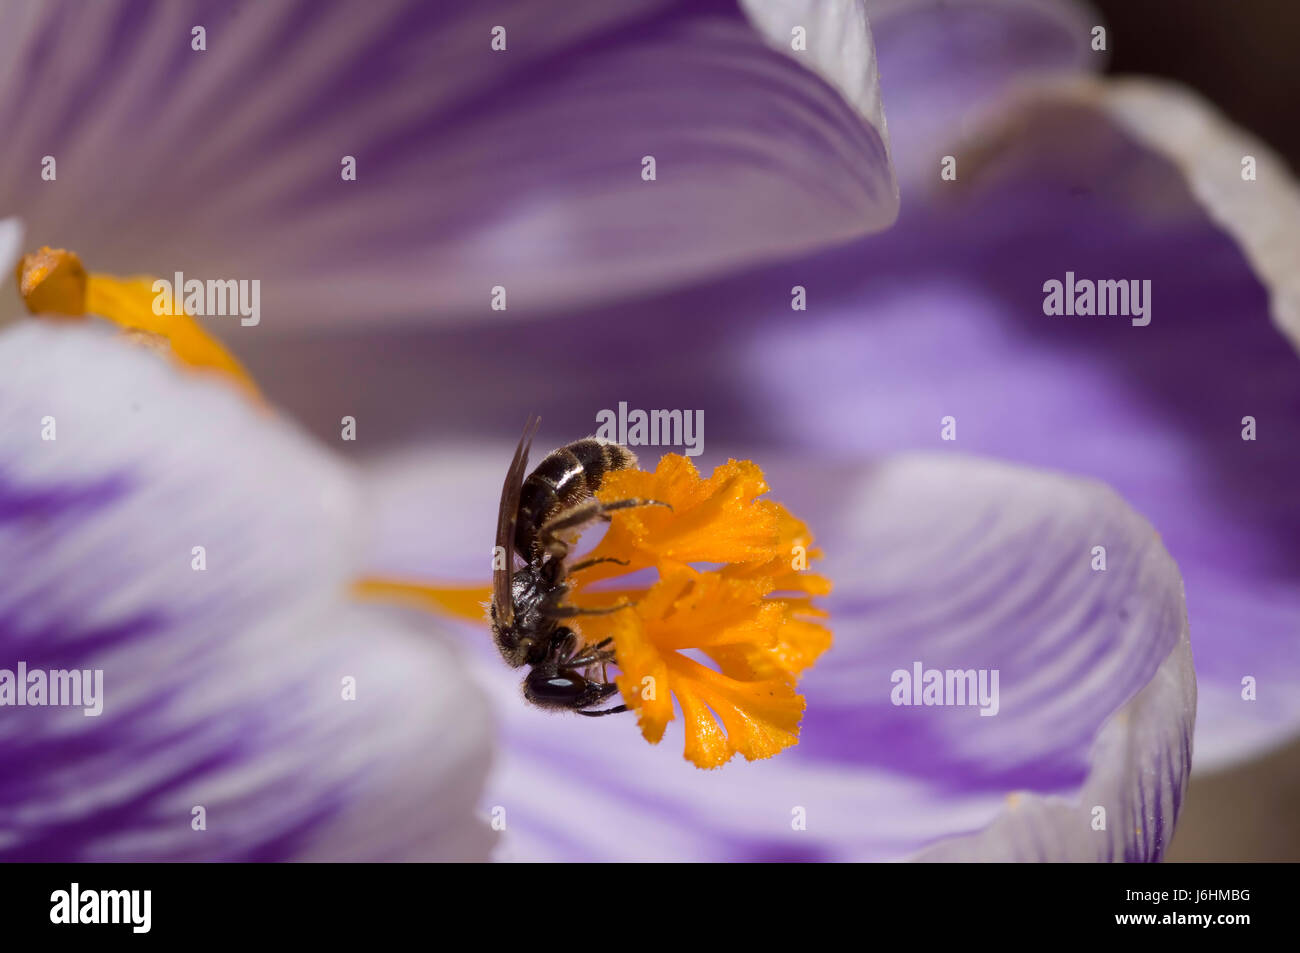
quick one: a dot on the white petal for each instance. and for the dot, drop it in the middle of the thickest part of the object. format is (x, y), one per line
(11, 243)
(839, 46)
(223, 685)
(1171, 169)
(1141, 762)
(1262, 215)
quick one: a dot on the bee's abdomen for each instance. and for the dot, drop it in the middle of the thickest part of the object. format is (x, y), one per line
(566, 476)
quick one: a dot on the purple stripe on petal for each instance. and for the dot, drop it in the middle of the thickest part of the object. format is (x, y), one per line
(944, 316)
(225, 685)
(46, 502)
(476, 168)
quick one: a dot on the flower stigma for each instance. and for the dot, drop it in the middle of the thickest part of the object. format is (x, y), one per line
(54, 284)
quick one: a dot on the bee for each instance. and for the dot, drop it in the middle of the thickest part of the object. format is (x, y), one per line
(539, 520)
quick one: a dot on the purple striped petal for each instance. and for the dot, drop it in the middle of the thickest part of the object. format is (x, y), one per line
(943, 61)
(476, 168)
(944, 316)
(952, 562)
(222, 683)
(1224, 251)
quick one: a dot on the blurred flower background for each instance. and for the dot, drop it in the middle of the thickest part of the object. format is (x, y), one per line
(523, 168)
(1245, 812)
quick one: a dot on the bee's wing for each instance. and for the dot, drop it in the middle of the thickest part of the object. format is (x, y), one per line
(502, 579)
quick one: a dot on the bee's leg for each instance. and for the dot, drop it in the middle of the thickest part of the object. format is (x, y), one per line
(554, 611)
(598, 654)
(564, 642)
(578, 516)
(604, 711)
(552, 608)
(571, 519)
(572, 657)
(603, 662)
(599, 694)
(631, 503)
(587, 563)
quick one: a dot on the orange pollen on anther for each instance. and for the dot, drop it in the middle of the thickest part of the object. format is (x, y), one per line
(733, 588)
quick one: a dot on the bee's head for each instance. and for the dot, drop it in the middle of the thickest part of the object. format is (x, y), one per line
(522, 631)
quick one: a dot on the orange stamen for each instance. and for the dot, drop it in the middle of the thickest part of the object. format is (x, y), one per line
(54, 282)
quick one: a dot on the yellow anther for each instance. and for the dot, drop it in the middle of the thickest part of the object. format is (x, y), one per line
(53, 282)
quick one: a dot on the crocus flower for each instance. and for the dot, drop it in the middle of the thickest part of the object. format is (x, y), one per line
(351, 129)
(941, 561)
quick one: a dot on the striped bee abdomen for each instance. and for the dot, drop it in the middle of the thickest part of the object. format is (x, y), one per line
(566, 477)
